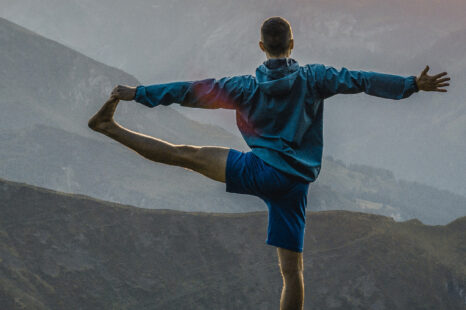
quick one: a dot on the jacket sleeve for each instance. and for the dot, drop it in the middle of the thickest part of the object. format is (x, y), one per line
(227, 93)
(330, 81)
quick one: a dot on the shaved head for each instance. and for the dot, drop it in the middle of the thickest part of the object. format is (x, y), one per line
(276, 34)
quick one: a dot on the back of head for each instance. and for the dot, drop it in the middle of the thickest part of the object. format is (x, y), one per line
(276, 34)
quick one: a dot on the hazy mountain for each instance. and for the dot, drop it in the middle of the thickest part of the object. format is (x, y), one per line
(48, 94)
(419, 139)
(45, 142)
(68, 162)
(374, 190)
(60, 160)
(44, 82)
(60, 251)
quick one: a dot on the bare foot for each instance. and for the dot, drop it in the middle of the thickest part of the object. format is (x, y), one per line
(103, 120)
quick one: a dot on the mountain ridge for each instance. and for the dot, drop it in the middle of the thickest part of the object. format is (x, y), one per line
(60, 251)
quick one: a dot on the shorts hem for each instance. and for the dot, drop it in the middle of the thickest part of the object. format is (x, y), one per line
(285, 246)
(228, 185)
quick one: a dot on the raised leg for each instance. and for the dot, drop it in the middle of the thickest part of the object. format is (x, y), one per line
(207, 160)
(291, 267)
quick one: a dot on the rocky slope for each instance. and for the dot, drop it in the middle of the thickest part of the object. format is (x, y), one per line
(60, 251)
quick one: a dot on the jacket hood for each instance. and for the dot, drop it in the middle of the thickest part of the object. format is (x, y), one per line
(277, 76)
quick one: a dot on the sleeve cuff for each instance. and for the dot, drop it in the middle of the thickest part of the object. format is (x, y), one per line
(141, 97)
(138, 93)
(412, 80)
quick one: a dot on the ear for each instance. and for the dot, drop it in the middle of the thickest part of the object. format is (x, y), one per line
(291, 44)
(261, 45)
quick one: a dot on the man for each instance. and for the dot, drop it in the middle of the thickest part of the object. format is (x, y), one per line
(279, 113)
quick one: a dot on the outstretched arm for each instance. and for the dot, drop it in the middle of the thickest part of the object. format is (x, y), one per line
(330, 81)
(224, 93)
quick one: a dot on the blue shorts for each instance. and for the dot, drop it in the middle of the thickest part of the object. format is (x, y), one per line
(284, 194)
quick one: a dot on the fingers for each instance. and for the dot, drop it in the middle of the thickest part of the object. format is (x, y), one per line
(437, 88)
(116, 91)
(439, 75)
(440, 82)
(424, 72)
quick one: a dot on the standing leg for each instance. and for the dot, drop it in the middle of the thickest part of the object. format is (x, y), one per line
(207, 160)
(291, 266)
(286, 199)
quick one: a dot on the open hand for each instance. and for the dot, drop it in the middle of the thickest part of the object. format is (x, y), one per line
(123, 92)
(432, 82)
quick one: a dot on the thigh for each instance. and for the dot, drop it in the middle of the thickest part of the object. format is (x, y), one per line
(285, 196)
(287, 219)
(210, 161)
(248, 174)
(207, 160)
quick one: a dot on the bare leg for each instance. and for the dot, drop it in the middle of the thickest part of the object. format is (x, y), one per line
(207, 160)
(291, 266)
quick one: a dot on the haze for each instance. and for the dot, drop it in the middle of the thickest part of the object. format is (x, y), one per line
(419, 139)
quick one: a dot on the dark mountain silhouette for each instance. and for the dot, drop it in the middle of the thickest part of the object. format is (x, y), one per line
(61, 251)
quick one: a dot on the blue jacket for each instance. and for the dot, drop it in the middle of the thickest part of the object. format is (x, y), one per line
(279, 111)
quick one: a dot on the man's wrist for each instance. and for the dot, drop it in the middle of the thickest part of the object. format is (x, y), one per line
(416, 85)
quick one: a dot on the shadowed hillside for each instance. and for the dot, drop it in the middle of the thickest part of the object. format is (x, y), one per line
(61, 251)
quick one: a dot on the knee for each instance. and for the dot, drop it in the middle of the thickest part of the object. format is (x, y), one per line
(291, 263)
(291, 271)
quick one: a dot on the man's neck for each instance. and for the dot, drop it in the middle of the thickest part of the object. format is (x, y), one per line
(277, 57)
